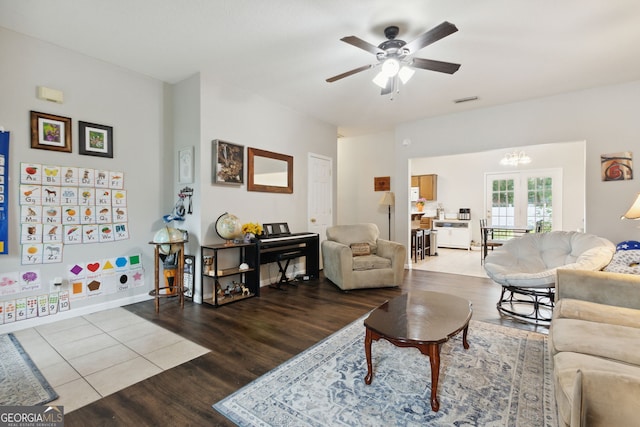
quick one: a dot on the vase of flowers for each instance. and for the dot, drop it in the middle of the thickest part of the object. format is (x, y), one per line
(251, 230)
(420, 204)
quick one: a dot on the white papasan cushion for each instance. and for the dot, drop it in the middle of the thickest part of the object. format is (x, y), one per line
(531, 261)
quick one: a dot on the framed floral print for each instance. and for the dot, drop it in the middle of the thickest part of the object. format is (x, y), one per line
(49, 132)
(95, 140)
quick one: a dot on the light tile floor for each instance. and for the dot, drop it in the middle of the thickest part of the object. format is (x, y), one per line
(456, 261)
(92, 356)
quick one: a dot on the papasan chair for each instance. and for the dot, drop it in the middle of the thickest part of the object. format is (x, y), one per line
(526, 267)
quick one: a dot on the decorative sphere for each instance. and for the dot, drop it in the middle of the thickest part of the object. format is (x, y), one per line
(168, 235)
(228, 226)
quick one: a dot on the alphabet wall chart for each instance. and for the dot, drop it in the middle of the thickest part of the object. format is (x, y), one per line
(62, 205)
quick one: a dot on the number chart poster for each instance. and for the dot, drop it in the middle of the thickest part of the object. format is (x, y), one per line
(84, 280)
(4, 192)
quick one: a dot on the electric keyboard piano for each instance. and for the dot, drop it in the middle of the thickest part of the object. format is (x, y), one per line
(279, 245)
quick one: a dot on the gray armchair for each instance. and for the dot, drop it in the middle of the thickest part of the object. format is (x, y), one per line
(354, 257)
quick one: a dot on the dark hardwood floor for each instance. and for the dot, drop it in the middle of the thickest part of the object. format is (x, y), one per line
(251, 337)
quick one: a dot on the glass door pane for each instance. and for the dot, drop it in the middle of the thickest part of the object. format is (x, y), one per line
(501, 199)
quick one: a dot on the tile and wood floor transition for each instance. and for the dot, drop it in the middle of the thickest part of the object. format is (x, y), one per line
(89, 357)
(131, 366)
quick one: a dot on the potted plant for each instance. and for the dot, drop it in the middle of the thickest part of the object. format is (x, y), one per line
(251, 230)
(420, 204)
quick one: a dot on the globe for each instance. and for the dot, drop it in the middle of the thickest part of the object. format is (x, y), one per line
(168, 235)
(228, 226)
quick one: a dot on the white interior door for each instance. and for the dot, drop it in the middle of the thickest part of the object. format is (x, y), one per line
(320, 195)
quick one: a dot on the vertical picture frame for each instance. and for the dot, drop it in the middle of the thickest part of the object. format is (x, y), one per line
(227, 162)
(50, 132)
(185, 165)
(95, 139)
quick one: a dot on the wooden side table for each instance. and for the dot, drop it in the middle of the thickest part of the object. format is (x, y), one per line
(177, 289)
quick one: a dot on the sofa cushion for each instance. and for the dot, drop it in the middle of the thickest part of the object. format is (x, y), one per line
(613, 342)
(586, 310)
(360, 249)
(369, 262)
(625, 261)
(566, 366)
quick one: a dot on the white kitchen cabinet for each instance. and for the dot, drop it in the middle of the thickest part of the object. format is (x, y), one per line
(453, 233)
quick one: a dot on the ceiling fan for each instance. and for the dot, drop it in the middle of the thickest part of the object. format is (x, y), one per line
(394, 56)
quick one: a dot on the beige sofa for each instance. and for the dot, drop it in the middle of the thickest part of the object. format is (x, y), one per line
(354, 257)
(594, 340)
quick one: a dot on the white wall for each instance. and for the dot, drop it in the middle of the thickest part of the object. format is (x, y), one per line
(230, 114)
(606, 118)
(95, 92)
(360, 159)
(151, 122)
(461, 179)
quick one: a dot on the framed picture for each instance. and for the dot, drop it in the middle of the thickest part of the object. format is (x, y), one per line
(616, 166)
(95, 140)
(185, 165)
(49, 132)
(228, 162)
(382, 183)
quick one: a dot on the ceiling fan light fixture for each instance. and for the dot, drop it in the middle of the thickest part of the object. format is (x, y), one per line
(405, 74)
(381, 79)
(390, 67)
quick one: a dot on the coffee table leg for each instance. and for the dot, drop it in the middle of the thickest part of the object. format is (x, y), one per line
(465, 344)
(433, 351)
(367, 352)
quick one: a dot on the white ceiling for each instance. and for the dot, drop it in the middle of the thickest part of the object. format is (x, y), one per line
(510, 50)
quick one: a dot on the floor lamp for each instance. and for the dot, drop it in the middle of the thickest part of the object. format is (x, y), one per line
(388, 200)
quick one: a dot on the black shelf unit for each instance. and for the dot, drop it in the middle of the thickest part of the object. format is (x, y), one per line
(249, 279)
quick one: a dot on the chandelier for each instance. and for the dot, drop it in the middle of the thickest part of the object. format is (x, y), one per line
(515, 158)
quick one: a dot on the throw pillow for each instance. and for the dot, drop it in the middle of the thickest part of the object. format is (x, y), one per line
(360, 249)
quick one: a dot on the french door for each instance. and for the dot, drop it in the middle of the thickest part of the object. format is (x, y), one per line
(522, 198)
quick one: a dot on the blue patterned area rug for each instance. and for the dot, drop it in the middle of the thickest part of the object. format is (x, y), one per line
(21, 382)
(503, 379)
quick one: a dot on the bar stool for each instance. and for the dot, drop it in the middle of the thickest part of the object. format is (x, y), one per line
(417, 244)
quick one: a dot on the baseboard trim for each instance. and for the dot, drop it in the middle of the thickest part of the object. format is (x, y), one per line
(73, 312)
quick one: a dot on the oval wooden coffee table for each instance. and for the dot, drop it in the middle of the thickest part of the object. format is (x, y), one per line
(420, 319)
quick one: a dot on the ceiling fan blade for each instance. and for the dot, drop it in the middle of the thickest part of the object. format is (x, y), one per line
(358, 42)
(433, 35)
(430, 64)
(348, 73)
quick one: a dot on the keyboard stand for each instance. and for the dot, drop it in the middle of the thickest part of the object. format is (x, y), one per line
(286, 257)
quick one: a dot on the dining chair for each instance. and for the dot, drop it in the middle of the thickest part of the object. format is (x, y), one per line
(487, 240)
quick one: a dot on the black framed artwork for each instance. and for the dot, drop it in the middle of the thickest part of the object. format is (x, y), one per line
(95, 139)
